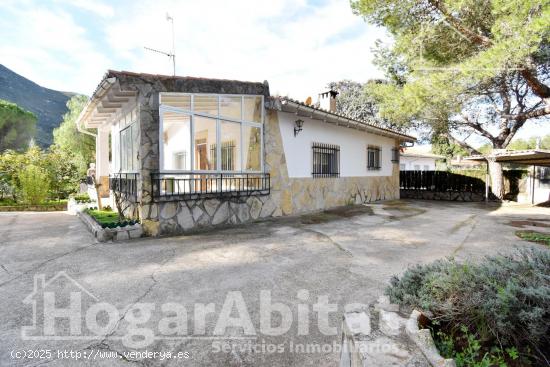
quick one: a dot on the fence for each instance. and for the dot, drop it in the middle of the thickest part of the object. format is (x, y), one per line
(440, 185)
(125, 184)
(440, 181)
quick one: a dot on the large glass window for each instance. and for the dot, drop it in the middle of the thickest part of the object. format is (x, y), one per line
(176, 141)
(231, 146)
(253, 108)
(204, 139)
(204, 132)
(205, 104)
(177, 100)
(128, 146)
(230, 107)
(252, 142)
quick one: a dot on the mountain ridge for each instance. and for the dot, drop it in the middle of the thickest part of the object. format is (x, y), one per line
(48, 105)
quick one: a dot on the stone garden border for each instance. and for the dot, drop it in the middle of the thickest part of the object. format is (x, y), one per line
(366, 330)
(423, 339)
(110, 234)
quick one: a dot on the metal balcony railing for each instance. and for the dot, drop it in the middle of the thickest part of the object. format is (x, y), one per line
(175, 187)
(125, 184)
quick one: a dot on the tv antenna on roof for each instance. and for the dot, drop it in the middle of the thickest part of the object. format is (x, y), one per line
(172, 54)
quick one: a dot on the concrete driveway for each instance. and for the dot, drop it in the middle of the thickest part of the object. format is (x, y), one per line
(154, 290)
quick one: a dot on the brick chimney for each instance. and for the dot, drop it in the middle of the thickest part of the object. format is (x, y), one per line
(327, 100)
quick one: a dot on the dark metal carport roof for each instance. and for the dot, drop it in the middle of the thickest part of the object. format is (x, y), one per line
(535, 157)
(532, 157)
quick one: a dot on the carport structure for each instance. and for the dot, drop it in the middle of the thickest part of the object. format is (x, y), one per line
(533, 157)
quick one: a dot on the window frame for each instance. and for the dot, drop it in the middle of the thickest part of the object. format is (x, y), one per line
(219, 118)
(325, 150)
(128, 129)
(377, 150)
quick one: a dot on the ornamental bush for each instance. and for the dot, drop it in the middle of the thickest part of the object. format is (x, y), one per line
(35, 184)
(504, 300)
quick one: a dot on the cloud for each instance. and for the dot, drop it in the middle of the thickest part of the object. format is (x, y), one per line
(297, 45)
(92, 6)
(48, 46)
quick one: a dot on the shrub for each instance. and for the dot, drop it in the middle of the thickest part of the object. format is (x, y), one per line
(504, 300)
(34, 184)
(82, 198)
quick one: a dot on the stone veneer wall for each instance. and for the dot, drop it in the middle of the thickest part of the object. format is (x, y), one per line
(300, 195)
(170, 217)
(288, 196)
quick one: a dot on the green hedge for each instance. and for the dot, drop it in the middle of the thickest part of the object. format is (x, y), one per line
(109, 219)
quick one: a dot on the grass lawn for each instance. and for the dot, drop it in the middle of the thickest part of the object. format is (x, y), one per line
(533, 236)
(109, 218)
(104, 216)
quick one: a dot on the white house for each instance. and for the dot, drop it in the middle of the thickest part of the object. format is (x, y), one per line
(419, 159)
(192, 152)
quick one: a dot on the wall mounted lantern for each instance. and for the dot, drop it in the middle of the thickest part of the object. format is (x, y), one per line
(298, 126)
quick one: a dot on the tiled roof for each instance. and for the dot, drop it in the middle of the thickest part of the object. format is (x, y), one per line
(538, 157)
(116, 74)
(368, 124)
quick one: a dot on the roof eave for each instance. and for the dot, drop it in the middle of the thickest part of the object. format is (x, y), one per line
(279, 104)
(104, 103)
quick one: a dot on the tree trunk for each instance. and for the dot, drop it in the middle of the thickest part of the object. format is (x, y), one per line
(97, 186)
(497, 179)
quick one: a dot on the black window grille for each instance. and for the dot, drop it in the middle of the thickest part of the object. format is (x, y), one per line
(373, 158)
(124, 184)
(228, 155)
(395, 154)
(326, 160)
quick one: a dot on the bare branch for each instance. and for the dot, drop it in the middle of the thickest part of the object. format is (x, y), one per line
(529, 115)
(530, 75)
(515, 127)
(477, 126)
(463, 144)
(473, 36)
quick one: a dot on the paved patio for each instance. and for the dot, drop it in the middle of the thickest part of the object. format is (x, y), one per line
(347, 255)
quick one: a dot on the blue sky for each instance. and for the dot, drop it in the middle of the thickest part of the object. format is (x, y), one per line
(297, 45)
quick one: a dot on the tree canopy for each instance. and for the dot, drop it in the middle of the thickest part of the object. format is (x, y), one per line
(62, 174)
(522, 144)
(17, 126)
(81, 147)
(464, 67)
(355, 101)
(460, 68)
